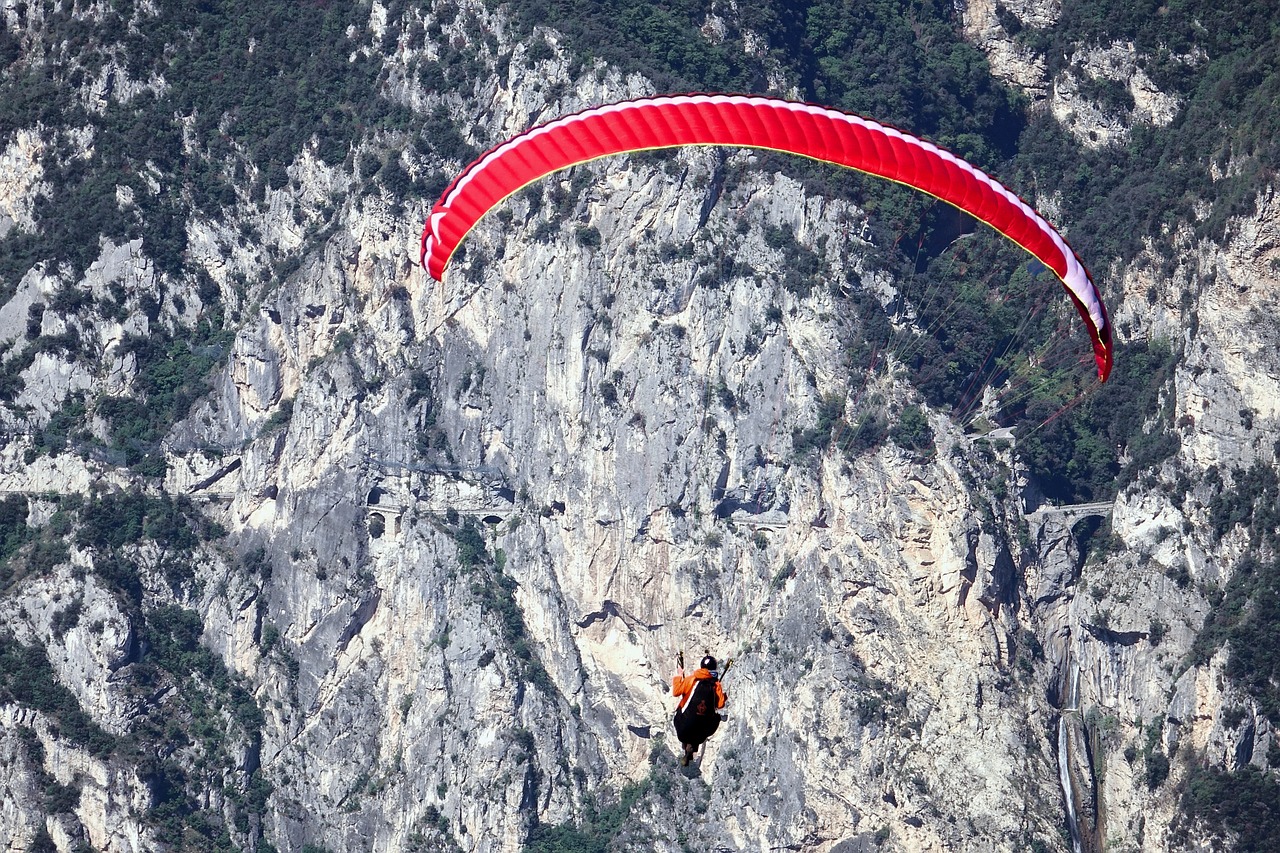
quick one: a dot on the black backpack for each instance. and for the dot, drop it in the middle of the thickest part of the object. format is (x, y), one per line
(702, 701)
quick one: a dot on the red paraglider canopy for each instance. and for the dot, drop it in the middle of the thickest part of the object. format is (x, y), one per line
(812, 131)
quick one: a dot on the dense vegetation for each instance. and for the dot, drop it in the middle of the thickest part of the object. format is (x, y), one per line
(182, 745)
(247, 86)
(171, 377)
(601, 824)
(597, 829)
(1075, 455)
(900, 62)
(1245, 617)
(1220, 58)
(1245, 802)
(27, 679)
(257, 80)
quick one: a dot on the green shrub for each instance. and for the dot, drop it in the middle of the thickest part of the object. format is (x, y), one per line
(1245, 803)
(1157, 770)
(496, 593)
(14, 532)
(913, 433)
(598, 826)
(27, 678)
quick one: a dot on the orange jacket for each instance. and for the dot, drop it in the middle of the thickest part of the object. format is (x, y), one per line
(682, 686)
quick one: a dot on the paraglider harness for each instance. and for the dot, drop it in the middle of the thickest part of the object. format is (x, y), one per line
(702, 701)
(698, 718)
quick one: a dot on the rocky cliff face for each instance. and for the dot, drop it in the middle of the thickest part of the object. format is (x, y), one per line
(1077, 95)
(468, 526)
(1133, 633)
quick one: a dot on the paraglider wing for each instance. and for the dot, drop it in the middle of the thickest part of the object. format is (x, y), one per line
(812, 131)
